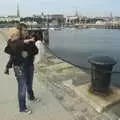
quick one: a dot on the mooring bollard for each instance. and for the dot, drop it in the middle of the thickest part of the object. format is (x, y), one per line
(101, 70)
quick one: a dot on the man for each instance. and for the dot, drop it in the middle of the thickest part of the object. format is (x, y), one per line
(22, 52)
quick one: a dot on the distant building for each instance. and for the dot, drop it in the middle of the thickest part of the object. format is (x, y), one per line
(55, 19)
(56, 16)
(2, 19)
(116, 22)
(99, 22)
(9, 18)
(71, 19)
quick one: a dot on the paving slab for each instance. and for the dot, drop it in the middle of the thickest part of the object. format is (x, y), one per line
(98, 102)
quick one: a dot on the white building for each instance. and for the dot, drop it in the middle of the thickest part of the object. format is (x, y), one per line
(70, 19)
(116, 22)
(9, 18)
(99, 22)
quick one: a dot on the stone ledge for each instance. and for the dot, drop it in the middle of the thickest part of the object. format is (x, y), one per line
(99, 103)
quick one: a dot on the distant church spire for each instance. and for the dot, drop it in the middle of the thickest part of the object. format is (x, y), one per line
(76, 12)
(18, 9)
(111, 15)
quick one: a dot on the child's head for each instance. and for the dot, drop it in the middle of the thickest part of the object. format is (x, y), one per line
(13, 34)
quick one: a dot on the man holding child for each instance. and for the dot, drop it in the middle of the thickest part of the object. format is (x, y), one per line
(22, 51)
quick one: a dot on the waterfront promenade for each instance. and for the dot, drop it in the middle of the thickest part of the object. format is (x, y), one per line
(58, 102)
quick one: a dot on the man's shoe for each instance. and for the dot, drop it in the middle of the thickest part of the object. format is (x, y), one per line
(28, 111)
(6, 72)
(35, 100)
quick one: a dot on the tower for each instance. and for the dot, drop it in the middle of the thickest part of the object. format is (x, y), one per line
(111, 15)
(18, 9)
(76, 12)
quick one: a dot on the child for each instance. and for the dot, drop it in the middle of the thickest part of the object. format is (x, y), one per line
(13, 34)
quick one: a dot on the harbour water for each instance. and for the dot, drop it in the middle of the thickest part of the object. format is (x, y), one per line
(76, 45)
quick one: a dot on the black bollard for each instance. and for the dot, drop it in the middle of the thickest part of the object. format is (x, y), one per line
(101, 70)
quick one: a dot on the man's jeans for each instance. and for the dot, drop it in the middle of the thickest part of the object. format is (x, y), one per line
(24, 76)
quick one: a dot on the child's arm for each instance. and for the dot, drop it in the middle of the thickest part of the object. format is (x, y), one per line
(9, 65)
(10, 62)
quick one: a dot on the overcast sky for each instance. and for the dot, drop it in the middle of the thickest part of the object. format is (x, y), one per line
(67, 7)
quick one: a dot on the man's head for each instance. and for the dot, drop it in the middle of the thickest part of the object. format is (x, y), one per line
(22, 28)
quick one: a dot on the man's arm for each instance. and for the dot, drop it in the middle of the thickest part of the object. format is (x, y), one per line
(29, 40)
